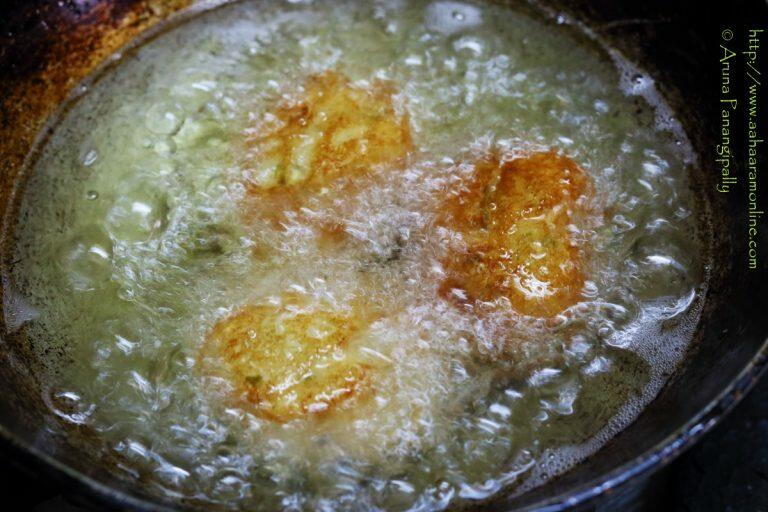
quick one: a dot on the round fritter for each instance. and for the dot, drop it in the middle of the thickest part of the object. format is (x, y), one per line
(333, 128)
(516, 218)
(288, 360)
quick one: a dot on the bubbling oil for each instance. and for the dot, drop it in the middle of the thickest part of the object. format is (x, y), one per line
(136, 236)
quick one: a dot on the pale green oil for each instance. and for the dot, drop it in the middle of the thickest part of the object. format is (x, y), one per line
(130, 247)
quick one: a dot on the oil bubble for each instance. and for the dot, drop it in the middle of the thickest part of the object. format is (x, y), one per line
(87, 258)
(138, 214)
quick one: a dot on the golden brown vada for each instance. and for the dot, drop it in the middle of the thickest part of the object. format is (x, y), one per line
(516, 219)
(289, 360)
(334, 128)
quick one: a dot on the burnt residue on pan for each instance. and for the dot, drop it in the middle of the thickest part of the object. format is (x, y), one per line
(46, 48)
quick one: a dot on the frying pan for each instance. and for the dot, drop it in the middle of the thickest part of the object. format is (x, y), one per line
(48, 47)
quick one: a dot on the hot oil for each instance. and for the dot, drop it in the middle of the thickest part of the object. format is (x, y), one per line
(138, 235)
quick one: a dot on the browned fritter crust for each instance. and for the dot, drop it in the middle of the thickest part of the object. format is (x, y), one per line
(334, 128)
(515, 217)
(287, 361)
